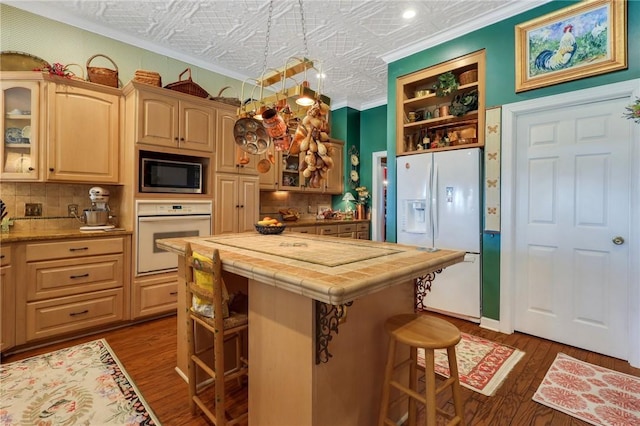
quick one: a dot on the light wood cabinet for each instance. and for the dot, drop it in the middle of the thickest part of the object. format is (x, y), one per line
(444, 130)
(362, 231)
(334, 184)
(303, 229)
(229, 157)
(327, 229)
(236, 204)
(21, 108)
(154, 295)
(170, 119)
(283, 174)
(83, 137)
(7, 300)
(71, 286)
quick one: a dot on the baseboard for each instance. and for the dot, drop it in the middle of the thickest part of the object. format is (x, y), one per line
(490, 324)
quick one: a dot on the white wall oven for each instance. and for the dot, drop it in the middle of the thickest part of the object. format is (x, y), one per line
(157, 220)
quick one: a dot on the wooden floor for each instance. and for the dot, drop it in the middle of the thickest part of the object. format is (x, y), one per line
(148, 353)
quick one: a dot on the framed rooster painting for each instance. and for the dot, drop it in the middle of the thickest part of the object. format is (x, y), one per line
(582, 40)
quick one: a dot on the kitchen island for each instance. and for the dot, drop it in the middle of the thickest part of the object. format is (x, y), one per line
(317, 307)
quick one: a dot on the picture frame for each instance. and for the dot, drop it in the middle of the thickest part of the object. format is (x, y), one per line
(579, 41)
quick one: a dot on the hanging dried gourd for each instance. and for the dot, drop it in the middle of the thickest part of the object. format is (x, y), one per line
(310, 140)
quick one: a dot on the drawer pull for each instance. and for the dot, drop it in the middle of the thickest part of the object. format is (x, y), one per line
(79, 276)
(1, 256)
(73, 314)
(79, 249)
(173, 293)
(304, 232)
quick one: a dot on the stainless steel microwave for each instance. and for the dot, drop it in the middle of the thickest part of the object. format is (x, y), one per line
(170, 176)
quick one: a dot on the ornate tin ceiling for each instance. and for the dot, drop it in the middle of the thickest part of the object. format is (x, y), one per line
(354, 39)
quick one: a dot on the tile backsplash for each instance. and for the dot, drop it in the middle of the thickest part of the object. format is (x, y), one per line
(306, 204)
(54, 197)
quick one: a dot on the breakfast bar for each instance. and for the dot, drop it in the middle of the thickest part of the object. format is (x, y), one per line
(317, 307)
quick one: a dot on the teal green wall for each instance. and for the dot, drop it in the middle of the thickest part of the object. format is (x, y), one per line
(345, 125)
(373, 138)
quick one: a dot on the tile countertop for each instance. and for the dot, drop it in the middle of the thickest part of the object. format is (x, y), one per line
(58, 234)
(329, 269)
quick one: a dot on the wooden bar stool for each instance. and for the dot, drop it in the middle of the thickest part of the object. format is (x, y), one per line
(205, 292)
(429, 333)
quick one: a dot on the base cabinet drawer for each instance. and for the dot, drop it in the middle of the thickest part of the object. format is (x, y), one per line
(73, 313)
(58, 278)
(327, 229)
(154, 296)
(74, 249)
(303, 229)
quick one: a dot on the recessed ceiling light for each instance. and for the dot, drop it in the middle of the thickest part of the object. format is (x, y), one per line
(409, 13)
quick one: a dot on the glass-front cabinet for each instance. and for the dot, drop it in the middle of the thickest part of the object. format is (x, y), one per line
(20, 127)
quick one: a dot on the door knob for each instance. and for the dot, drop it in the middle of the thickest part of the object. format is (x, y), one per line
(618, 240)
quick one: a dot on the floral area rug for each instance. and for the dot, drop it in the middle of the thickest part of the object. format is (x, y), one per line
(594, 394)
(482, 364)
(79, 385)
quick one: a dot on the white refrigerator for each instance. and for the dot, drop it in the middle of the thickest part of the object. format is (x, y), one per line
(439, 201)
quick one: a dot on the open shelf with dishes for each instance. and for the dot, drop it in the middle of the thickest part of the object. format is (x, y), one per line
(441, 107)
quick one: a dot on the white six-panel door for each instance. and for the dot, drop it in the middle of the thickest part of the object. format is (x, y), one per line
(570, 251)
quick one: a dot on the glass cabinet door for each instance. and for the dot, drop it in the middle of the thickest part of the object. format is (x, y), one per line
(20, 127)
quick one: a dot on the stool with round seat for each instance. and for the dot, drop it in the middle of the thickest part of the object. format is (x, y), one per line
(430, 333)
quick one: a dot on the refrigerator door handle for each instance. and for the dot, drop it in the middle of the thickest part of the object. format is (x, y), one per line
(434, 202)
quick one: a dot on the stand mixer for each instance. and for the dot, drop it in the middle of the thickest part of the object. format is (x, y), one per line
(97, 217)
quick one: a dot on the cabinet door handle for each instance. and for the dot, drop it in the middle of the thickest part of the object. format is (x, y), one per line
(2, 256)
(51, 169)
(182, 139)
(79, 276)
(175, 139)
(173, 293)
(242, 206)
(74, 314)
(79, 249)
(31, 169)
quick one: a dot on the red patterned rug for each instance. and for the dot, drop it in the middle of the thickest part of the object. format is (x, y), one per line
(482, 364)
(594, 394)
(79, 385)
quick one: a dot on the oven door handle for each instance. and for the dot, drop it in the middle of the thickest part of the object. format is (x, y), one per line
(169, 218)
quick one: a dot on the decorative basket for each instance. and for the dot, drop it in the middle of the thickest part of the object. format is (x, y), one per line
(73, 75)
(231, 101)
(104, 76)
(187, 86)
(468, 77)
(151, 78)
(269, 230)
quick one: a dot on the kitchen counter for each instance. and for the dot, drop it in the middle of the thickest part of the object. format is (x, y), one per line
(328, 269)
(314, 222)
(58, 234)
(317, 307)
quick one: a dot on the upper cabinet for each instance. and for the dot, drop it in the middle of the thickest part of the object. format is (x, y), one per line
(171, 119)
(59, 129)
(451, 117)
(229, 157)
(83, 132)
(21, 111)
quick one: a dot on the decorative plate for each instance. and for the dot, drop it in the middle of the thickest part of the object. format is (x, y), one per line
(20, 61)
(26, 132)
(13, 135)
(354, 160)
(354, 176)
